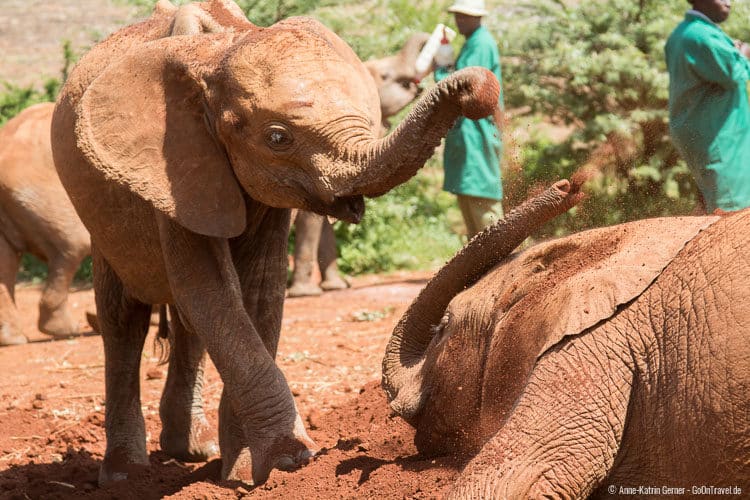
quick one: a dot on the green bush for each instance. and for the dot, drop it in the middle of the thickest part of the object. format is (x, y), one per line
(408, 228)
(598, 68)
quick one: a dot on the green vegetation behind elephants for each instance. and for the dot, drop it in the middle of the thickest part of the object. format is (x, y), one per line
(593, 69)
(598, 69)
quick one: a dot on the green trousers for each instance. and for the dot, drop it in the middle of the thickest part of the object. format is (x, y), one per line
(479, 213)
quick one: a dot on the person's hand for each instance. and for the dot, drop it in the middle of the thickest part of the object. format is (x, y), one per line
(743, 48)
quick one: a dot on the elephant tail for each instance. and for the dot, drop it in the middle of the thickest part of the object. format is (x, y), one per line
(161, 341)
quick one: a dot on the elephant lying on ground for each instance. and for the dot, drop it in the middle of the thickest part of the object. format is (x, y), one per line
(183, 155)
(314, 243)
(613, 357)
(37, 217)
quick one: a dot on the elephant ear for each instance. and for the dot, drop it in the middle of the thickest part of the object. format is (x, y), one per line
(619, 264)
(563, 287)
(143, 124)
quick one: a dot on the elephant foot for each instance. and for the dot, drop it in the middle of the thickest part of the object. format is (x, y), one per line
(11, 336)
(195, 444)
(303, 290)
(334, 283)
(57, 324)
(253, 464)
(250, 461)
(120, 465)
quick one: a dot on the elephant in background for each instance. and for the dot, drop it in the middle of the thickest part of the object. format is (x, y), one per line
(615, 356)
(315, 242)
(183, 142)
(37, 217)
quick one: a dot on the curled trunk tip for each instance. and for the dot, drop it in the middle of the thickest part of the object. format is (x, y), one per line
(481, 94)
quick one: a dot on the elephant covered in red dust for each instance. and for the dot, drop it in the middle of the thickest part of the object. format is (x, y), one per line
(614, 357)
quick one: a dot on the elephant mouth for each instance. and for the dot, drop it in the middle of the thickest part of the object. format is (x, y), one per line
(346, 208)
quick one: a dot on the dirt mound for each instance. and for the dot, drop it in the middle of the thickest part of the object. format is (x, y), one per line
(52, 408)
(368, 454)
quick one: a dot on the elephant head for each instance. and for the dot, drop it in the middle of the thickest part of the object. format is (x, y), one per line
(395, 76)
(287, 114)
(420, 341)
(462, 354)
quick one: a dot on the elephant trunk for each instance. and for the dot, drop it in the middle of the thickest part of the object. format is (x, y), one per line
(379, 165)
(412, 335)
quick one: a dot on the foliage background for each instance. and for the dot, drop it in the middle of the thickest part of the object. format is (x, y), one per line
(585, 84)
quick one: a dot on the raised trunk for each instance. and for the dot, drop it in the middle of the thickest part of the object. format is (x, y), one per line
(413, 333)
(380, 165)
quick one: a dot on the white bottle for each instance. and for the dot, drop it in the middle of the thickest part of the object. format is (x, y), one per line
(424, 59)
(444, 56)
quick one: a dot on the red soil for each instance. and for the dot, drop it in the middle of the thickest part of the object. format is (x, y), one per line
(51, 409)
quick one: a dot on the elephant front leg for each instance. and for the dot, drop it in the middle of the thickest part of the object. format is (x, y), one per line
(185, 433)
(263, 428)
(10, 326)
(563, 435)
(54, 317)
(124, 324)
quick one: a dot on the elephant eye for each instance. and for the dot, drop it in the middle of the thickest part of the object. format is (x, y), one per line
(278, 137)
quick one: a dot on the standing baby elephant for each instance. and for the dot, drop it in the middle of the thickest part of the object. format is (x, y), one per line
(395, 78)
(612, 358)
(183, 155)
(36, 216)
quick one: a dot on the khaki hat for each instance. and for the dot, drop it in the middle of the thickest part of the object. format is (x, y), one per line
(469, 7)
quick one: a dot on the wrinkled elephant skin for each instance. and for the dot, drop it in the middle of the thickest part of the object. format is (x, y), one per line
(615, 356)
(315, 243)
(183, 142)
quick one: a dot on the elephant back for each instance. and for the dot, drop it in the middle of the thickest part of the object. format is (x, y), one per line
(565, 286)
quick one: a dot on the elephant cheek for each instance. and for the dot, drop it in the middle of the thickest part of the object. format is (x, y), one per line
(448, 427)
(450, 416)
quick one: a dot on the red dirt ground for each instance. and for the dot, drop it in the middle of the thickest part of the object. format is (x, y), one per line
(51, 408)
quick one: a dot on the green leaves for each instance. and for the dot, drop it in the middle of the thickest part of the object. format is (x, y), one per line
(598, 67)
(411, 227)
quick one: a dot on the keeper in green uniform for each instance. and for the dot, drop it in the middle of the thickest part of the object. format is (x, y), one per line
(709, 117)
(473, 148)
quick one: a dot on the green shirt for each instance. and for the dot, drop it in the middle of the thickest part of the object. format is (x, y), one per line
(709, 117)
(473, 148)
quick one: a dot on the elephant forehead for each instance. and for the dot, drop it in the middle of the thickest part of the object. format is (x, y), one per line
(325, 92)
(301, 75)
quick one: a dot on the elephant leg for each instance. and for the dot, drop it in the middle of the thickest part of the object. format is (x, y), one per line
(123, 323)
(562, 437)
(185, 433)
(54, 317)
(261, 276)
(308, 228)
(327, 255)
(10, 326)
(206, 289)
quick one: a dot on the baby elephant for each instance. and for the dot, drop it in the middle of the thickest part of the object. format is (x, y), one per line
(36, 216)
(613, 357)
(184, 141)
